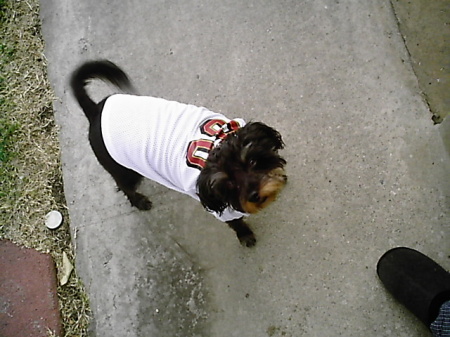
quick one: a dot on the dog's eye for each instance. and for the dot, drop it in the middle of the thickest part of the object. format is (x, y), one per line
(252, 163)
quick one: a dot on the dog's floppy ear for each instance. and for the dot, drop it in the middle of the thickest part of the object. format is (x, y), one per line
(211, 189)
(264, 134)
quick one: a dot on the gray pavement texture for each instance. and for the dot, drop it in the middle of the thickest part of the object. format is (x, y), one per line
(367, 168)
(424, 26)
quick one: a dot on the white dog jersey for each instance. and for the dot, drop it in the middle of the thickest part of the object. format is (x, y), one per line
(165, 141)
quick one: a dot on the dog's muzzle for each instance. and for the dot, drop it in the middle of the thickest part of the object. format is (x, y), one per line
(270, 186)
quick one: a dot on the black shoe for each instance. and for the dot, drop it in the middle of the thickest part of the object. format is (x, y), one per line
(416, 281)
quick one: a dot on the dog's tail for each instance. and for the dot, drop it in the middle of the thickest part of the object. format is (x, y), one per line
(102, 69)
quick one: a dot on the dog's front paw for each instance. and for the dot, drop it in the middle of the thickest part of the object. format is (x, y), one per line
(247, 240)
(243, 232)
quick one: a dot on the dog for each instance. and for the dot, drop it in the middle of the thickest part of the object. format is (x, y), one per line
(231, 167)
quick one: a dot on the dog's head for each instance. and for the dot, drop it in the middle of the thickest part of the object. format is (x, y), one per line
(244, 172)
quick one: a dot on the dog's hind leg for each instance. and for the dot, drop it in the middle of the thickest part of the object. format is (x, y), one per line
(127, 180)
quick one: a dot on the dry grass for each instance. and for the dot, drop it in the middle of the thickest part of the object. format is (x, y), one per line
(31, 178)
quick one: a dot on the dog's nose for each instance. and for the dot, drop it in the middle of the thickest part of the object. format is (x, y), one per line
(254, 196)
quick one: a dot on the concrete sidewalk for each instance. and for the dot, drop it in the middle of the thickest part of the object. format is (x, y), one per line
(367, 168)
